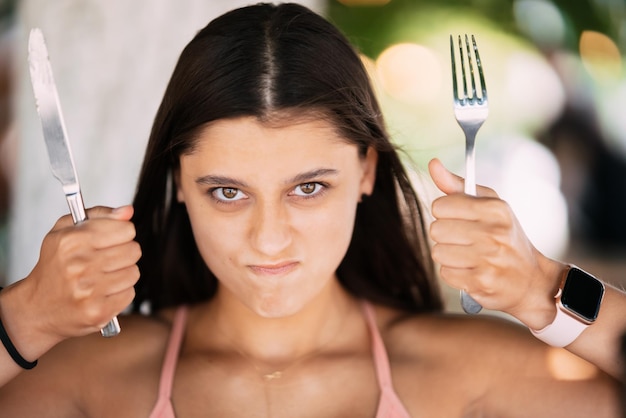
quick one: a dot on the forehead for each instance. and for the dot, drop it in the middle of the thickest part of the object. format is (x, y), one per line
(248, 137)
(259, 154)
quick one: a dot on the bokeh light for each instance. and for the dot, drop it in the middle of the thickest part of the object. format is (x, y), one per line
(409, 72)
(541, 21)
(600, 56)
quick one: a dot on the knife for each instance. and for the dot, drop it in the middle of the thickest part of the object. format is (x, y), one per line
(57, 143)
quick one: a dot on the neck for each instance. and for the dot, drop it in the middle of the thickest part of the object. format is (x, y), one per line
(318, 326)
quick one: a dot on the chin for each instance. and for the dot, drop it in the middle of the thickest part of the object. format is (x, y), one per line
(273, 306)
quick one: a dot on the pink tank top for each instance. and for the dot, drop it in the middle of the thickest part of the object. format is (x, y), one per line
(389, 405)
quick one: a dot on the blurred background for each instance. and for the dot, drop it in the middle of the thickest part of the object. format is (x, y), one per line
(553, 146)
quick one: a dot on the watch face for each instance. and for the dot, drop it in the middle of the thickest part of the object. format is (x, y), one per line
(582, 294)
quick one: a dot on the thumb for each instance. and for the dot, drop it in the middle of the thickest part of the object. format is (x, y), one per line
(444, 179)
(122, 213)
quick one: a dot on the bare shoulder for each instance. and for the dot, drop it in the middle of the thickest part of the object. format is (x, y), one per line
(487, 366)
(482, 342)
(142, 337)
(447, 331)
(105, 369)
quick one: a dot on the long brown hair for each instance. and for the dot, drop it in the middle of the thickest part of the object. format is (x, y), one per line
(260, 61)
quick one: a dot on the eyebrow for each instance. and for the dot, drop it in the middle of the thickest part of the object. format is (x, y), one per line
(299, 178)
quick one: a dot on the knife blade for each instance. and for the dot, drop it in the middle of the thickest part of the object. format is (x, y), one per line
(55, 136)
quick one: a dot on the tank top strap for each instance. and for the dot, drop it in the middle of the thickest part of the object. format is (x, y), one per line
(381, 360)
(390, 405)
(171, 355)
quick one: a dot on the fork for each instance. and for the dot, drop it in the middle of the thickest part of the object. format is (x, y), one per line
(470, 111)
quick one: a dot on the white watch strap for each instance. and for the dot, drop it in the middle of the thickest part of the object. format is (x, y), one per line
(562, 331)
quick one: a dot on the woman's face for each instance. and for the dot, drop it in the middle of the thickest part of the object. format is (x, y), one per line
(272, 208)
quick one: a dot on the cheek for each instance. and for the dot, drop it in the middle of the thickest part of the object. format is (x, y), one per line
(213, 239)
(216, 239)
(330, 236)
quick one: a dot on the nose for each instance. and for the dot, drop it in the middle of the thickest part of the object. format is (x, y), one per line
(270, 230)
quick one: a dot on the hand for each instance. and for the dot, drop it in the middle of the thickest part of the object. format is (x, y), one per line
(481, 248)
(85, 276)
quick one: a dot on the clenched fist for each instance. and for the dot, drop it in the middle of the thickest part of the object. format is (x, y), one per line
(84, 277)
(482, 248)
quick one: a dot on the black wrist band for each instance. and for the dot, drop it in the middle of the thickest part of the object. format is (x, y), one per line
(15, 355)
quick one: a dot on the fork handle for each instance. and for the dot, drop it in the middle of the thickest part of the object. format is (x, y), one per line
(470, 172)
(470, 131)
(468, 303)
(470, 306)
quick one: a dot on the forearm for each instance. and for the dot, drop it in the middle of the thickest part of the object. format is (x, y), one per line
(8, 368)
(600, 342)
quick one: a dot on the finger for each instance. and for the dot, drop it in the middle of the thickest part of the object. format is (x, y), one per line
(120, 256)
(63, 222)
(121, 213)
(456, 206)
(453, 256)
(95, 315)
(453, 231)
(95, 300)
(450, 183)
(105, 232)
(114, 304)
(118, 281)
(455, 277)
(468, 279)
(488, 210)
(445, 180)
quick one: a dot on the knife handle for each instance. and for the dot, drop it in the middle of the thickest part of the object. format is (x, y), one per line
(77, 208)
(111, 329)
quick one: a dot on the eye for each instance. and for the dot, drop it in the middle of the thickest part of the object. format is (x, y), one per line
(308, 189)
(227, 194)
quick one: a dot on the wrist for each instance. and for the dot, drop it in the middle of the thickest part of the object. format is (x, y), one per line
(577, 301)
(22, 323)
(539, 308)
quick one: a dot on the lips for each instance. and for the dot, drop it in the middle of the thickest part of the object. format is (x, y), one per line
(274, 269)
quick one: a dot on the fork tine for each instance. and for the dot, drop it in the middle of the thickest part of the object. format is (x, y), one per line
(455, 89)
(471, 66)
(480, 71)
(464, 78)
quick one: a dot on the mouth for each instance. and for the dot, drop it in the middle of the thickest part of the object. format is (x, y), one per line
(273, 269)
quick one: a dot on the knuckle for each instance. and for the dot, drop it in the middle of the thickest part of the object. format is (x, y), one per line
(66, 242)
(487, 280)
(129, 297)
(436, 207)
(82, 291)
(498, 211)
(134, 273)
(132, 231)
(98, 212)
(435, 231)
(93, 314)
(447, 275)
(136, 251)
(76, 273)
(435, 253)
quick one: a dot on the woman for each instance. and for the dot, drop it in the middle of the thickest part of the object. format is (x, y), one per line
(286, 266)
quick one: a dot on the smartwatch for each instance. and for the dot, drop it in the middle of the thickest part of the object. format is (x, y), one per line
(578, 303)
